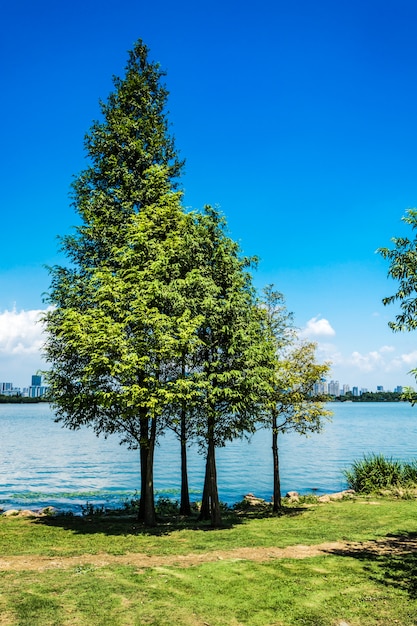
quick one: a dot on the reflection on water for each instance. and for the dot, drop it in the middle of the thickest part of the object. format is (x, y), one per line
(41, 463)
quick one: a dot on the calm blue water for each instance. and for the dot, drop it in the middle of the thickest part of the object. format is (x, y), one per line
(43, 464)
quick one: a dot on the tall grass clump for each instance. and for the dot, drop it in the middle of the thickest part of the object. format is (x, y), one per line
(375, 472)
(410, 473)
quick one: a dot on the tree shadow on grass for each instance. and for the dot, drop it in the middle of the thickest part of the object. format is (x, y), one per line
(395, 555)
(116, 523)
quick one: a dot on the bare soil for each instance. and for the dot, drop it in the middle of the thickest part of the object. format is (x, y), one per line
(386, 546)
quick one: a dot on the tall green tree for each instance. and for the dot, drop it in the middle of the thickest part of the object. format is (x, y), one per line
(155, 314)
(289, 404)
(230, 367)
(113, 330)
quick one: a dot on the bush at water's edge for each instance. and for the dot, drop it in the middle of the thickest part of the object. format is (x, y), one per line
(375, 472)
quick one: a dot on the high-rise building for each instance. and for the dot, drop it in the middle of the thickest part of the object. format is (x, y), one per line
(36, 390)
(334, 388)
(7, 389)
(320, 389)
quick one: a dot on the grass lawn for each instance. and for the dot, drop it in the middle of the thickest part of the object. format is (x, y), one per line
(109, 571)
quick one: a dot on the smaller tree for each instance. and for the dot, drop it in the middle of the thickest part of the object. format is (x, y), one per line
(289, 403)
(229, 368)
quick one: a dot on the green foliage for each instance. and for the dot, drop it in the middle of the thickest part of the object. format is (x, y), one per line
(307, 499)
(409, 474)
(92, 510)
(229, 366)
(294, 372)
(116, 323)
(154, 323)
(403, 269)
(409, 395)
(403, 266)
(375, 472)
(123, 147)
(288, 403)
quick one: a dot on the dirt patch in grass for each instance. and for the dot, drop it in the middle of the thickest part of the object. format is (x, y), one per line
(389, 545)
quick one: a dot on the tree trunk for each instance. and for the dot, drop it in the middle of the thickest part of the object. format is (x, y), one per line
(216, 518)
(146, 512)
(143, 451)
(277, 482)
(149, 514)
(210, 505)
(205, 500)
(185, 508)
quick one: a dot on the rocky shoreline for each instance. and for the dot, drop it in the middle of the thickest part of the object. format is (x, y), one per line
(291, 497)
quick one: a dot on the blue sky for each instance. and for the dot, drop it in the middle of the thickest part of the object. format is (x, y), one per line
(297, 118)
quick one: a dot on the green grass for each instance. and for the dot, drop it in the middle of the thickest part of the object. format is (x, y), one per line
(315, 591)
(355, 586)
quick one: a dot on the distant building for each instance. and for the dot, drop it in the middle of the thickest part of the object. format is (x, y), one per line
(380, 388)
(7, 389)
(355, 392)
(398, 389)
(37, 390)
(320, 389)
(334, 388)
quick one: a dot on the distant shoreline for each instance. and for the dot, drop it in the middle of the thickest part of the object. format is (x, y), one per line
(369, 396)
(20, 400)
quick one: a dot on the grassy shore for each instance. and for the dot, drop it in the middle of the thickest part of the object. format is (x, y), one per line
(351, 561)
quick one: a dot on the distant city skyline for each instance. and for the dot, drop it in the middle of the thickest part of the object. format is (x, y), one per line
(328, 386)
(334, 388)
(34, 390)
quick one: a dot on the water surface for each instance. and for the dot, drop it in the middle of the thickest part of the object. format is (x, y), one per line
(43, 464)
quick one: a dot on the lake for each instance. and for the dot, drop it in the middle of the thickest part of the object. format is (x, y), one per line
(43, 464)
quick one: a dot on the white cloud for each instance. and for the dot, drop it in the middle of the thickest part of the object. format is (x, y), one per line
(21, 342)
(410, 358)
(317, 327)
(386, 349)
(329, 352)
(382, 360)
(367, 362)
(21, 332)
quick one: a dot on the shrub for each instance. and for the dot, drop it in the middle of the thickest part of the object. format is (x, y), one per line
(92, 510)
(410, 473)
(375, 472)
(165, 506)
